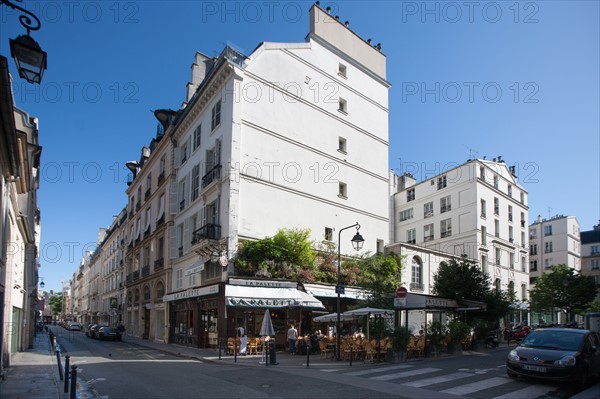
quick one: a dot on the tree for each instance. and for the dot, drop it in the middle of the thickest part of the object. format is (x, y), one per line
(288, 254)
(380, 275)
(55, 303)
(563, 288)
(465, 280)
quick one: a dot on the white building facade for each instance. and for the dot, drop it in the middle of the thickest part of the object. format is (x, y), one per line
(275, 140)
(477, 210)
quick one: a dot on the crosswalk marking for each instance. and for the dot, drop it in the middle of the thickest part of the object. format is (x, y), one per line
(477, 386)
(437, 380)
(377, 370)
(409, 373)
(532, 391)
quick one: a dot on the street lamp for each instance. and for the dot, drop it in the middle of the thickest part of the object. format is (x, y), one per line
(28, 55)
(357, 244)
(42, 284)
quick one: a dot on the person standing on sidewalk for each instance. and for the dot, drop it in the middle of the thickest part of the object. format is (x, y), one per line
(292, 336)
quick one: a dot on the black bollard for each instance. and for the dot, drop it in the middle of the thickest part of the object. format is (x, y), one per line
(67, 370)
(59, 362)
(235, 351)
(307, 355)
(73, 382)
(220, 346)
(351, 345)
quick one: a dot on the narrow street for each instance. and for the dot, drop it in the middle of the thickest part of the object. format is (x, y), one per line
(125, 370)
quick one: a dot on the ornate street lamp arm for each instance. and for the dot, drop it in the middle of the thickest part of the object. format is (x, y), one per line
(25, 19)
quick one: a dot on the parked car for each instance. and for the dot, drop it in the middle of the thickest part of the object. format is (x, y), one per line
(74, 326)
(88, 330)
(108, 333)
(94, 330)
(557, 354)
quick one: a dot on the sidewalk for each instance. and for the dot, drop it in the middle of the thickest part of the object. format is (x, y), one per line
(33, 374)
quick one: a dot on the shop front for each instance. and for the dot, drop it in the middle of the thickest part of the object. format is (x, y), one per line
(247, 299)
(194, 317)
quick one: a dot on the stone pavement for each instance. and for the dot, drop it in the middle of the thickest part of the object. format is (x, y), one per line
(33, 374)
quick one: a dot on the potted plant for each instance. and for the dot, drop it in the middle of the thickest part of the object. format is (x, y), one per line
(435, 335)
(400, 339)
(457, 331)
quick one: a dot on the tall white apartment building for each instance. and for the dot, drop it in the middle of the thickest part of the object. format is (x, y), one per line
(554, 241)
(476, 209)
(294, 135)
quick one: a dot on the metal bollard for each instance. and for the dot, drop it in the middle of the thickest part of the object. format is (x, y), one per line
(220, 346)
(351, 345)
(73, 382)
(308, 355)
(235, 351)
(67, 371)
(59, 362)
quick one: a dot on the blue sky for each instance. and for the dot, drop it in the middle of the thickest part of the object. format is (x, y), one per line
(513, 79)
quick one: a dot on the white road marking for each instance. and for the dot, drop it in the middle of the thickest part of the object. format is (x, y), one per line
(409, 373)
(437, 380)
(378, 370)
(477, 386)
(532, 391)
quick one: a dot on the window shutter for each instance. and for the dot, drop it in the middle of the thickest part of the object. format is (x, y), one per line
(173, 198)
(188, 188)
(186, 236)
(217, 152)
(176, 157)
(173, 242)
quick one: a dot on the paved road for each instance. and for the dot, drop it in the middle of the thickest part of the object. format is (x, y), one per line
(123, 370)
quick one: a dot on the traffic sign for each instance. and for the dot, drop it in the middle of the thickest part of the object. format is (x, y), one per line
(339, 289)
(400, 292)
(400, 302)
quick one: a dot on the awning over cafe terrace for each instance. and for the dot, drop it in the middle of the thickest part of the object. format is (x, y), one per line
(430, 302)
(269, 297)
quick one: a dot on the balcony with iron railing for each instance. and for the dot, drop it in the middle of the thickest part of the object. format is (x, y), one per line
(145, 270)
(159, 264)
(428, 238)
(129, 278)
(446, 233)
(211, 175)
(136, 275)
(207, 232)
(161, 177)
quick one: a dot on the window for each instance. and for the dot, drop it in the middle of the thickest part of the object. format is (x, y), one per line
(523, 264)
(342, 106)
(163, 166)
(523, 239)
(482, 173)
(184, 152)
(595, 250)
(522, 219)
(379, 246)
(195, 182)
(410, 194)
(484, 267)
(548, 230)
(406, 214)
(496, 181)
(328, 234)
(411, 236)
(548, 247)
(496, 206)
(547, 263)
(511, 263)
(497, 228)
(498, 284)
(216, 116)
(483, 235)
(533, 249)
(446, 228)
(342, 145)
(533, 266)
(428, 232)
(342, 70)
(483, 210)
(148, 185)
(441, 182)
(595, 264)
(532, 233)
(510, 234)
(498, 256)
(416, 278)
(509, 190)
(445, 204)
(342, 190)
(197, 137)
(523, 292)
(523, 198)
(510, 213)
(428, 209)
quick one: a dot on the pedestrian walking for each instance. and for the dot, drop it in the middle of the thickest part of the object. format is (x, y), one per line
(292, 336)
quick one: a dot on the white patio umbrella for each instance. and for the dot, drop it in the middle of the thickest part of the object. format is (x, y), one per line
(266, 328)
(367, 312)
